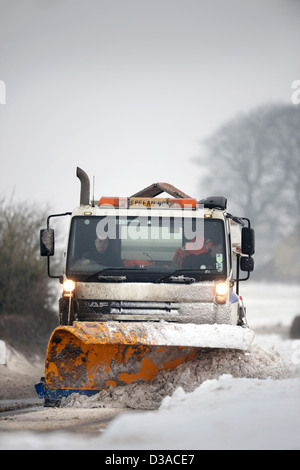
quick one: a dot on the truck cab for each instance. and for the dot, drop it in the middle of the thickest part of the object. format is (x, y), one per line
(147, 258)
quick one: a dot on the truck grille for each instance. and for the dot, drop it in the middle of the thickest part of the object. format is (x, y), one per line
(120, 307)
(143, 308)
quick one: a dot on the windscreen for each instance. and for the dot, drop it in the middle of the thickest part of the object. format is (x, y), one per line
(145, 249)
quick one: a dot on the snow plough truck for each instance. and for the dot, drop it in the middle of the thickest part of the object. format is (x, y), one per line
(149, 282)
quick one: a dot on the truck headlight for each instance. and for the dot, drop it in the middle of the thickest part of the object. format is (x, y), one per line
(221, 292)
(221, 288)
(69, 286)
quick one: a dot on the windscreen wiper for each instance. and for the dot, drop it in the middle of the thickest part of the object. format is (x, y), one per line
(102, 276)
(113, 278)
(179, 278)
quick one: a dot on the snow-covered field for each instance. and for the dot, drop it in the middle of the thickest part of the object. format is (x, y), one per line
(240, 401)
(270, 304)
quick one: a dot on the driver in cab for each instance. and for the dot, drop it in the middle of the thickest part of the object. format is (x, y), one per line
(102, 253)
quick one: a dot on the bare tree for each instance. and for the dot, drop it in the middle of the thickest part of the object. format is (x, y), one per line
(287, 143)
(254, 160)
(27, 298)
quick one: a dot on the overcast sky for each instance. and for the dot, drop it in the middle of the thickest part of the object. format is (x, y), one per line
(127, 89)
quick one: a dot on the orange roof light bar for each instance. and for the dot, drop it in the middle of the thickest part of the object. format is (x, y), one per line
(148, 203)
(114, 202)
(183, 203)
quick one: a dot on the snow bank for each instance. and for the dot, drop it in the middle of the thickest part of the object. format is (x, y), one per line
(17, 374)
(224, 413)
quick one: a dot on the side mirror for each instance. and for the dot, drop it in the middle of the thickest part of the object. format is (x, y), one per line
(248, 241)
(47, 242)
(247, 264)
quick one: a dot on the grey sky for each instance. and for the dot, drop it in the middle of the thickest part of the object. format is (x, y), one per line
(127, 89)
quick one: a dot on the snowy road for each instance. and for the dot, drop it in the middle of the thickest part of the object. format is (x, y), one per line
(40, 419)
(236, 401)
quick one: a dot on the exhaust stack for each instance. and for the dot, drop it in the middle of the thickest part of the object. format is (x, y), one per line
(85, 187)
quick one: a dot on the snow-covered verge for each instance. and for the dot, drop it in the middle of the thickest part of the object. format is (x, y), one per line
(237, 401)
(17, 373)
(271, 305)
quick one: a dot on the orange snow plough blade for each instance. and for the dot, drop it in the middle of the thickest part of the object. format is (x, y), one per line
(88, 357)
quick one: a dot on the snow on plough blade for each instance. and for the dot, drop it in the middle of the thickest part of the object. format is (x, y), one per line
(89, 357)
